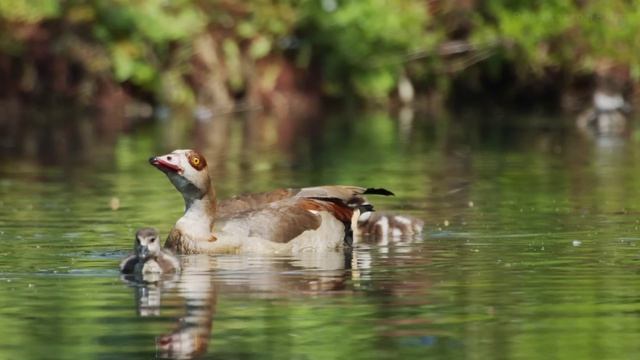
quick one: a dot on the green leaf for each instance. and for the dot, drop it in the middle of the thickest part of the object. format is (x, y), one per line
(260, 47)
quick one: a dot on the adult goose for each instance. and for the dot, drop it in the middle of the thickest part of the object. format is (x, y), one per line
(281, 221)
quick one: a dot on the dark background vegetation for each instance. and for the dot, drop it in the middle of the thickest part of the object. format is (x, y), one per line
(262, 53)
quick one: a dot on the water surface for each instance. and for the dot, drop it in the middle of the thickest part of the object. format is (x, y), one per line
(530, 248)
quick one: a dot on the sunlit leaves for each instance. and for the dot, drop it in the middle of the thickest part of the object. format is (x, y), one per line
(376, 84)
(28, 10)
(233, 59)
(365, 42)
(260, 47)
(359, 47)
(564, 33)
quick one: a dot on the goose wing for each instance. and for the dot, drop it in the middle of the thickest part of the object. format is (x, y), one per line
(284, 220)
(345, 193)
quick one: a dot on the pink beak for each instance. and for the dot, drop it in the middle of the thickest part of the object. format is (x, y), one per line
(164, 165)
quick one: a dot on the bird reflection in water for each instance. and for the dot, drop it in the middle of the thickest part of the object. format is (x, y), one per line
(148, 290)
(192, 331)
(203, 277)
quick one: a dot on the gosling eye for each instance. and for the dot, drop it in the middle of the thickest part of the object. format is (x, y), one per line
(153, 239)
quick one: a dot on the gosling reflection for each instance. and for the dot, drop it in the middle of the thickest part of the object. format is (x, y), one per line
(148, 300)
(148, 288)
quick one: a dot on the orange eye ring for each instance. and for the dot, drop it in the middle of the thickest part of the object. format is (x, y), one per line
(197, 161)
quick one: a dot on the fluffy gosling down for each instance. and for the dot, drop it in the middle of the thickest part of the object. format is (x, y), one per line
(149, 256)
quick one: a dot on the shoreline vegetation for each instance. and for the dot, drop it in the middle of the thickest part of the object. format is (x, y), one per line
(131, 58)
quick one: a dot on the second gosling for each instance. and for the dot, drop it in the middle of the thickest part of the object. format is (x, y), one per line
(149, 256)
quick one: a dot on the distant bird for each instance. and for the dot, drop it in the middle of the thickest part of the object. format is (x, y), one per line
(607, 115)
(406, 92)
(280, 221)
(149, 257)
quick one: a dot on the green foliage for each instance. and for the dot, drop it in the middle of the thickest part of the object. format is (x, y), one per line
(138, 35)
(359, 47)
(21, 13)
(530, 29)
(29, 10)
(566, 34)
(362, 44)
(611, 29)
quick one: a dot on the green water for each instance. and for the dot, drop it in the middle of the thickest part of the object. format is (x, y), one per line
(530, 248)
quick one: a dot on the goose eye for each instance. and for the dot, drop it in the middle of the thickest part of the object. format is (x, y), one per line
(197, 161)
(153, 239)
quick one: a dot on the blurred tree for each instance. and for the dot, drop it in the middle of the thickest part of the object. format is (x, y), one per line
(219, 52)
(361, 45)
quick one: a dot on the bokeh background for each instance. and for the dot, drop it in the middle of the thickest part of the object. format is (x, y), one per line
(134, 59)
(506, 126)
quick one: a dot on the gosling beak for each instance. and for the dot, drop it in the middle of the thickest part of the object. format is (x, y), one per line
(162, 164)
(144, 252)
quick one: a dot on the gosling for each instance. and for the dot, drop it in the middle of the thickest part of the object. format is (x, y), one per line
(149, 257)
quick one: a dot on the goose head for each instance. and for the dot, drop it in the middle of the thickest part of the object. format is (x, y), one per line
(147, 243)
(187, 171)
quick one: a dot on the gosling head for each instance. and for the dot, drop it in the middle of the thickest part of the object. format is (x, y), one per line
(187, 171)
(147, 243)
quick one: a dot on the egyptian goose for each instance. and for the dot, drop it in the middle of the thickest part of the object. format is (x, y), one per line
(148, 256)
(280, 221)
